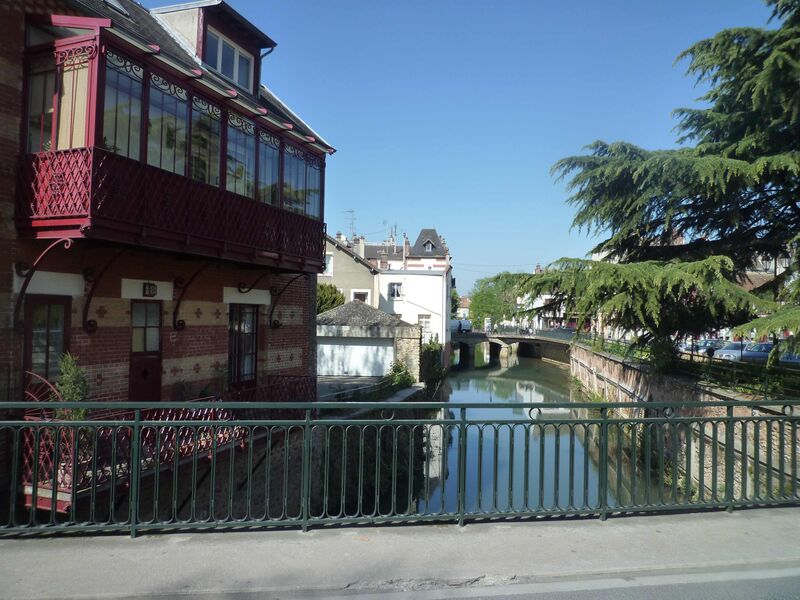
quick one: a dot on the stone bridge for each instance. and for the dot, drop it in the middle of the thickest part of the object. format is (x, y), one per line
(551, 345)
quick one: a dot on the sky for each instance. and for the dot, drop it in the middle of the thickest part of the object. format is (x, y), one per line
(450, 113)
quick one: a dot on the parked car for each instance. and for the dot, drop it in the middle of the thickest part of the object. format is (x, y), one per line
(757, 352)
(701, 346)
(790, 359)
(730, 351)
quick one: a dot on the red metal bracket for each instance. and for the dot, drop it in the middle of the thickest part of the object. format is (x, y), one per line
(18, 326)
(90, 325)
(180, 324)
(274, 324)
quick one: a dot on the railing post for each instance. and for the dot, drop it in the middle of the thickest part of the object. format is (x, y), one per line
(133, 498)
(603, 475)
(306, 486)
(462, 467)
(729, 458)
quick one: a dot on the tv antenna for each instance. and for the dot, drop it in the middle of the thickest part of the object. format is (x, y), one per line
(352, 220)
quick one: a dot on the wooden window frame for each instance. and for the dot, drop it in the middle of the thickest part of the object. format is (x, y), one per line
(30, 301)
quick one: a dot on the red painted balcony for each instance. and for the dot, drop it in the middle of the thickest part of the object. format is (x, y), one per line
(95, 194)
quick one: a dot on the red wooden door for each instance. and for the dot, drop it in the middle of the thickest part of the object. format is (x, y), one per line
(145, 378)
(145, 371)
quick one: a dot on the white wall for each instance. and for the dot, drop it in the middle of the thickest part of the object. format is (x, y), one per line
(424, 292)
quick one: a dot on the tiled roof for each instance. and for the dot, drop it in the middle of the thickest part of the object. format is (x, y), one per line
(429, 235)
(356, 313)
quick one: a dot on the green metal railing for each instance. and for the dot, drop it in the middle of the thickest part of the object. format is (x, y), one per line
(171, 466)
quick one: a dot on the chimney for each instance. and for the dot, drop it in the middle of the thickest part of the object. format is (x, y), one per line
(340, 237)
(538, 270)
(359, 246)
(406, 250)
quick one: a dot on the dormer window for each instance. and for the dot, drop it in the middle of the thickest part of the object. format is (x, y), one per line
(228, 59)
(428, 247)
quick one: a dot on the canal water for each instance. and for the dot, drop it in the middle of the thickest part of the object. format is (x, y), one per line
(542, 462)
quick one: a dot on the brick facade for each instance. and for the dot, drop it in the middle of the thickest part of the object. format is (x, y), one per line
(194, 359)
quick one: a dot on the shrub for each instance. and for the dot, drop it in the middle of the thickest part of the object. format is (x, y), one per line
(399, 375)
(73, 386)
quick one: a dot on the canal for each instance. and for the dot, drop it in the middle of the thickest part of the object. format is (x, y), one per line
(543, 461)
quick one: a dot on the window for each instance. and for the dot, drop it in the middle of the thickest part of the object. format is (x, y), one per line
(294, 179)
(228, 59)
(395, 290)
(47, 334)
(269, 164)
(242, 345)
(424, 321)
(122, 113)
(167, 123)
(428, 247)
(328, 272)
(240, 175)
(41, 89)
(313, 187)
(145, 326)
(206, 141)
(361, 295)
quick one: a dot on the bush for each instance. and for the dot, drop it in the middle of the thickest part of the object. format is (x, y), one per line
(73, 386)
(400, 376)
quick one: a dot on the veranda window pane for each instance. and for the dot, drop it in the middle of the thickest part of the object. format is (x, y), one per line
(41, 87)
(294, 176)
(240, 175)
(167, 124)
(73, 96)
(122, 116)
(313, 188)
(268, 167)
(206, 141)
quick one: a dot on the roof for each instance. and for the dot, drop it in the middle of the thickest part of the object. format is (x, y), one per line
(755, 279)
(150, 28)
(379, 251)
(250, 30)
(220, 6)
(425, 236)
(348, 251)
(464, 302)
(359, 314)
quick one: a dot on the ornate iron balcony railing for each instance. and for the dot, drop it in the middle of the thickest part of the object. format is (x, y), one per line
(93, 193)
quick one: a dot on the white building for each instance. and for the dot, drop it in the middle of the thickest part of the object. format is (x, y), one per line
(420, 298)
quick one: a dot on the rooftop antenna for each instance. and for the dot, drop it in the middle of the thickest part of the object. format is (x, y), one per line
(352, 214)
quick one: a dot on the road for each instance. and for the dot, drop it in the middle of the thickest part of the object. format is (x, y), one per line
(745, 554)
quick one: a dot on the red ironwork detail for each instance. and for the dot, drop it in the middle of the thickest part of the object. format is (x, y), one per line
(101, 194)
(77, 459)
(75, 55)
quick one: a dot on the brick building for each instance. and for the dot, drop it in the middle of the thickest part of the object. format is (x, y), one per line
(162, 211)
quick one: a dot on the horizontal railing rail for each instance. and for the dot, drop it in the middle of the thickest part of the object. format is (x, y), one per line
(229, 465)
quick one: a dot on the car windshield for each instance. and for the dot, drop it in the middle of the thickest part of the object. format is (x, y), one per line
(732, 346)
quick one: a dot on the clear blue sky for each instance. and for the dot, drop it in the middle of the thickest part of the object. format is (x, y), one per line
(450, 113)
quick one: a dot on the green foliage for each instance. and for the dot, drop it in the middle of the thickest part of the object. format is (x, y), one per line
(492, 299)
(431, 370)
(655, 299)
(73, 386)
(399, 375)
(455, 300)
(685, 224)
(328, 297)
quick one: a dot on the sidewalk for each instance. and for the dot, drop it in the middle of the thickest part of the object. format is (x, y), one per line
(345, 561)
